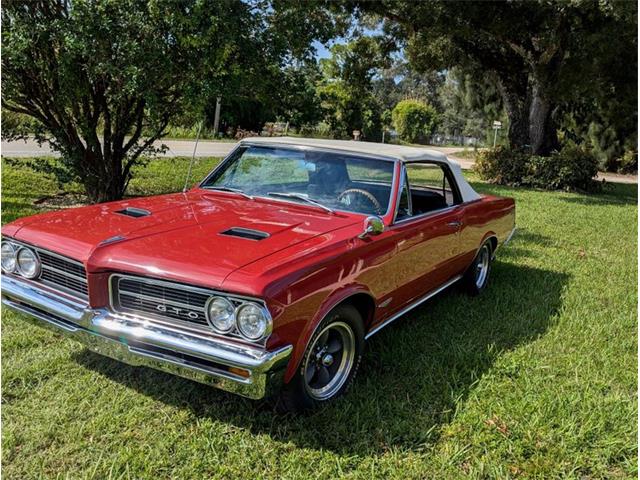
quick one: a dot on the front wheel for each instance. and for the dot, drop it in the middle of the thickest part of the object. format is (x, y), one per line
(477, 276)
(330, 361)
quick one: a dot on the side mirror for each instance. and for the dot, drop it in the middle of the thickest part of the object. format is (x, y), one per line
(372, 226)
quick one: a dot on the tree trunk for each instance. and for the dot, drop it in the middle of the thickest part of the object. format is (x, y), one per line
(518, 133)
(530, 112)
(104, 180)
(542, 130)
(516, 104)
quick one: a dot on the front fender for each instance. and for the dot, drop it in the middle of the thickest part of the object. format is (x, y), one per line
(332, 300)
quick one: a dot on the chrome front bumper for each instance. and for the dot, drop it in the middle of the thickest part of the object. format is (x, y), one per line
(139, 342)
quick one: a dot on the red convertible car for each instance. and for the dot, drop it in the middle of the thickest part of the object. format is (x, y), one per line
(270, 274)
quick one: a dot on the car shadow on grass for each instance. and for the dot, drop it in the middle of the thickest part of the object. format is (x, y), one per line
(414, 377)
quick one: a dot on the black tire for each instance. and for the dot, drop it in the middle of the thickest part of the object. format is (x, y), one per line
(307, 390)
(476, 277)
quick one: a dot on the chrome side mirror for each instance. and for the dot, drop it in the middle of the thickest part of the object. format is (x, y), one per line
(372, 226)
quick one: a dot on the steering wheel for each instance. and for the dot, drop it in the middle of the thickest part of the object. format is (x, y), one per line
(364, 194)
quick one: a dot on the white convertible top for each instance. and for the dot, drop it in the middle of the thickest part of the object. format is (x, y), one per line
(392, 152)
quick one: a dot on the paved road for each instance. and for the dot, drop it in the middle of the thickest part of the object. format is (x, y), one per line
(184, 148)
(177, 148)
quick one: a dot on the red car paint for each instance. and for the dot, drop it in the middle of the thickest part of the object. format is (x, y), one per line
(311, 261)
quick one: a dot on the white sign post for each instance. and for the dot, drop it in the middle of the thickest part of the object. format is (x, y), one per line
(497, 125)
(216, 117)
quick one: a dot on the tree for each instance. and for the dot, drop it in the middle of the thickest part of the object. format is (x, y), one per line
(273, 71)
(272, 91)
(104, 79)
(539, 52)
(470, 104)
(603, 110)
(346, 88)
(401, 82)
(414, 120)
(99, 75)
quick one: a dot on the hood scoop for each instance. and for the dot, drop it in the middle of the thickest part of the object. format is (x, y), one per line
(134, 212)
(247, 233)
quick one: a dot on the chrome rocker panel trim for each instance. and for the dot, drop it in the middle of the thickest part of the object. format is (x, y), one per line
(411, 306)
(138, 342)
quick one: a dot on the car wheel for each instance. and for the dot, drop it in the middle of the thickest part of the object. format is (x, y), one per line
(476, 278)
(330, 361)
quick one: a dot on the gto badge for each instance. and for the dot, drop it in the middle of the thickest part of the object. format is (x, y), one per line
(177, 311)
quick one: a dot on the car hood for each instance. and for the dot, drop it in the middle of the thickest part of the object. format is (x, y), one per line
(181, 238)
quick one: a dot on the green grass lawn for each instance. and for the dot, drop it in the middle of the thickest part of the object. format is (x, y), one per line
(536, 378)
(467, 154)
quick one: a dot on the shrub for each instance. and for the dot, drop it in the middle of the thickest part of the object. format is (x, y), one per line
(501, 165)
(48, 166)
(573, 168)
(627, 163)
(414, 120)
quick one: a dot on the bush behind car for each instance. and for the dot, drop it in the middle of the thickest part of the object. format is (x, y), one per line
(572, 168)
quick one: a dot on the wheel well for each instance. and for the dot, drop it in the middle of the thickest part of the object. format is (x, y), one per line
(364, 304)
(494, 243)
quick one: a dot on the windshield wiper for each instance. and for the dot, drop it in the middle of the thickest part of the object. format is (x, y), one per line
(299, 196)
(229, 189)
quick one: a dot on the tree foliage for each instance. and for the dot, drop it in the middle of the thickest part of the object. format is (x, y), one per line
(94, 75)
(470, 104)
(104, 79)
(542, 54)
(346, 88)
(401, 82)
(285, 93)
(414, 120)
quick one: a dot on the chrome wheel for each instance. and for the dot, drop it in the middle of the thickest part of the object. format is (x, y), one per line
(329, 361)
(482, 266)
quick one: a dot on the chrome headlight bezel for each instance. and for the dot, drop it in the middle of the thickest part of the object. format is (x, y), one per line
(36, 261)
(234, 328)
(212, 322)
(4, 244)
(266, 318)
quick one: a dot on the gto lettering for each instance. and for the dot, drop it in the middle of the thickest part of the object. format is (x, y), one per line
(177, 311)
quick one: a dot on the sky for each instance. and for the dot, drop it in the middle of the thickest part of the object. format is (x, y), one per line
(321, 50)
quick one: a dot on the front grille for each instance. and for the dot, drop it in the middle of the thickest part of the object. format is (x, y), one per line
(61, 272)
(159, 299)
(175, 303)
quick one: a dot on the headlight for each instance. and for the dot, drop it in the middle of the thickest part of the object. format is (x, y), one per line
(220, 313)
(8, 257)
(252, 321)
(28, 263)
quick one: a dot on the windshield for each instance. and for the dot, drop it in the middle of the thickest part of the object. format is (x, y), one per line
(336, 181)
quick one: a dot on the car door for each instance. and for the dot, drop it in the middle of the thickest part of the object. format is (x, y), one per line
(427, 240)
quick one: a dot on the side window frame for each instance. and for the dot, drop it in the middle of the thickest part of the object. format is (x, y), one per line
(404, 186)
(457, 197)
(455, 191)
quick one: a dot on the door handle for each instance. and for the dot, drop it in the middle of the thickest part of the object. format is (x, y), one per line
(454, 224)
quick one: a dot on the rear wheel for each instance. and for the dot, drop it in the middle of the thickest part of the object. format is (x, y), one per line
(330, 361)
(476, 278)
